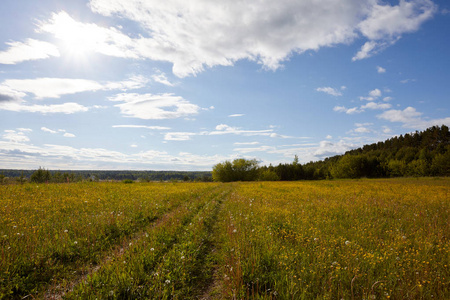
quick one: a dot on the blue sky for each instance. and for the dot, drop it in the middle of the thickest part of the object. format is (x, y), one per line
(183, 85)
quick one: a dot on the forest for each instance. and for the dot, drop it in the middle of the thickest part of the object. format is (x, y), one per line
(418, 154)
(59, 176)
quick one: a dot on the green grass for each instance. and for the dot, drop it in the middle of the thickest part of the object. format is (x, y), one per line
(340, 239)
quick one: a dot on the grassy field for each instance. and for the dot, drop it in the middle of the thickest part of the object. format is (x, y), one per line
(349, 239)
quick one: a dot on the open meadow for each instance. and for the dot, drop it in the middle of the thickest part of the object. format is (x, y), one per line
(334, 239)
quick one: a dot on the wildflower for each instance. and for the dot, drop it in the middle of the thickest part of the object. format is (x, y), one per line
(66, 231)
(152, 249)
(75, 242)
(347, 243)
(404, 237)
(234, 231)
(182, 257)
(167, 281)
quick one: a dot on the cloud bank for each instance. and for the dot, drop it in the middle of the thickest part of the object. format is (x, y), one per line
(197, 34)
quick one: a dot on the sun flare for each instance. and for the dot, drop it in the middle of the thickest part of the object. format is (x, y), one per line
(77, 39)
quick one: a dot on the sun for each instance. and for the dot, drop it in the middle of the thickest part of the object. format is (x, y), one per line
(78, 40)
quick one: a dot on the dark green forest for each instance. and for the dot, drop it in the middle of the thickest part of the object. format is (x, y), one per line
(425, 153)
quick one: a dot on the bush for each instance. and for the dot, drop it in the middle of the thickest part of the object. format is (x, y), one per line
(40, 176)
(239, 170)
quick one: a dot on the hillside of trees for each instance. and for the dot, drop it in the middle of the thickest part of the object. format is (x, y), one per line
(425, 153)
(43, 175)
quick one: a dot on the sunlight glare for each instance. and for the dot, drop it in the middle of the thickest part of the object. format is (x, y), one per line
(77, 38)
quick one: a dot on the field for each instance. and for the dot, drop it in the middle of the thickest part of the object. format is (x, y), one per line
(347, 239)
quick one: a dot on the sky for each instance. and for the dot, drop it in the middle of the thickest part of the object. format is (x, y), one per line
(184, 85)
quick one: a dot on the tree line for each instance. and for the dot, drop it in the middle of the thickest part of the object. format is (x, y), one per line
(43, 175)
(425, 153)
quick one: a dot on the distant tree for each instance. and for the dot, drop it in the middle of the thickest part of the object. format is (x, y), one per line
(441, 164)
(239, 170)
(268, 175)
(350, 166)
(396, 168)
(418, 167)
(41, 175)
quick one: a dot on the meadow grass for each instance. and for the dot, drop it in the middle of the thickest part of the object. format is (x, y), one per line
(364, 239)
(51, 232)
(338, 239)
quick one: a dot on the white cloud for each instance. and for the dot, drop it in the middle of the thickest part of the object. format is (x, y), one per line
(363, 124)
(25, 129)
(7, 94)
(56, 87)
(327, 148)
(65, 108)
(222, 129)
(385, 24)
(15, 152)
(350, 111)
(133, 146)
(15, 136)
(29, 50)
(381, 69)
(196, 34)
(386, 21)
(89, 37)
(386, 129)
(162, 78)
(362, 130)
(386, 99)
(407, 80)
(178, 136)
(329, 137)
(255, 149)
(236, 115)
(373, 105)
(246, 143)
(134, 82)
(149, 106)
(48, 130)
(367, 50)
(142, 126)
(407, 115)
(329, 90)
(65, 134)
(52, 87)
(375, 93)
(411, 118)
